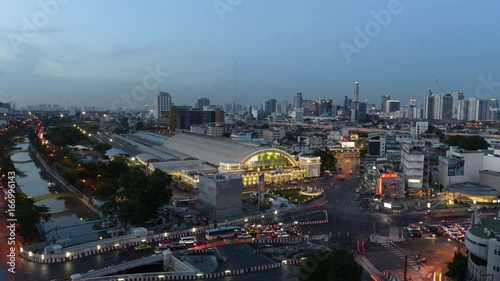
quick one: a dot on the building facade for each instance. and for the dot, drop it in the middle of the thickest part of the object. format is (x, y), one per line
(162, 102)
(221, 193)
(412, 162)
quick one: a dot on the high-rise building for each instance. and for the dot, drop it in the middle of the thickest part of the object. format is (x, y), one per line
(443, 107)
(482, 110)
(383, 103)
(463, 109)
(269, 106)
(362, 111)
(201, 102)
(429, 105)
(392, 106)
(162, 102)
(457, 96)
(298, 101)
(356, 92)
(493, 104)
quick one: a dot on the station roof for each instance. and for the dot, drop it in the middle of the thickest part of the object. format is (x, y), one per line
(211, 149)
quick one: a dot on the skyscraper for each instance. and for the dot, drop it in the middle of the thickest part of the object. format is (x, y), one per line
(356, 92)
(201, 102)
(269, 106)
(457, 96)
(298, 101)
(428, 105)
(162, 102)
(383, 102)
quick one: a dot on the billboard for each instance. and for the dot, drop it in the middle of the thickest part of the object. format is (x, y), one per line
(347, 144)
(456, 167)
(391, 184)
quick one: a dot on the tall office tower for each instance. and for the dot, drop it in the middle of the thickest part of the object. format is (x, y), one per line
(298, 101)
(362, 111)
(162, 102)
(356, 92)
(493, 104)
(482, 110)
(428, 105)
(269, 106)
(346, 102)
(392, 106)
(284, 107)
(201, 102)
(457, 96)
(472, 109)
(443, 107)
(463, 108)
(383, 103)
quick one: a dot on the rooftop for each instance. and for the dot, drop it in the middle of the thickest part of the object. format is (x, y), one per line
(473, 189)
(491, 224)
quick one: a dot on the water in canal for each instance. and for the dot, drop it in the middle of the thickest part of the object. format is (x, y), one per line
(65, 211)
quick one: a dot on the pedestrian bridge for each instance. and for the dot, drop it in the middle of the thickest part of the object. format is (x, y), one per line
(56, 195)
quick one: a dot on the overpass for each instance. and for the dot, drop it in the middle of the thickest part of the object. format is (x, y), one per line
(169, 261)
(56, 195)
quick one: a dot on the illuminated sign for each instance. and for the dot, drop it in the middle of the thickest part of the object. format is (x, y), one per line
(387, 205)
(414, 181)
(347, 144)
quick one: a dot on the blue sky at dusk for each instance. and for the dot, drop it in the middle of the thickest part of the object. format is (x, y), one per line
(92, 52)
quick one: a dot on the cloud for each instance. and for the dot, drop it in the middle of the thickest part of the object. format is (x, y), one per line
(49, 68)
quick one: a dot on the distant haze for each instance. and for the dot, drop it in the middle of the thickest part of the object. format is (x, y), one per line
(92, 52)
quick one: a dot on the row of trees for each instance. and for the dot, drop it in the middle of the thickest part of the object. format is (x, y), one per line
(468, 142)
(28, 214)
(135, 195)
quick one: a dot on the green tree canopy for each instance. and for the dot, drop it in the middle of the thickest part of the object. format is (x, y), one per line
(335, 265)
(142, 195)
(468, 142)
(328, 161)
(28, 214)
(457, 268)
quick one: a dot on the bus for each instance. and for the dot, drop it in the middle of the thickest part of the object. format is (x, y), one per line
(223, 232)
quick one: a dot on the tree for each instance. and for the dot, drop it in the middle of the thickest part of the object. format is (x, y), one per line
(142, 195)
(468, 142)
(28, 215)
(457, 268)
(335, 265)
(101, 148)
(327, 159)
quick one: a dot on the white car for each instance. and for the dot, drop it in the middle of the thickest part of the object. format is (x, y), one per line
(244, 236)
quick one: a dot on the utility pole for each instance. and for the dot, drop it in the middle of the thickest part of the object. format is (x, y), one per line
(406, 269)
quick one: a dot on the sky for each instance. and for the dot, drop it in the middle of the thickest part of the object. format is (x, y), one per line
(115, 52)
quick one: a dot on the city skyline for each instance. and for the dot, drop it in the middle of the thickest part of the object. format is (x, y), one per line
(83, 58)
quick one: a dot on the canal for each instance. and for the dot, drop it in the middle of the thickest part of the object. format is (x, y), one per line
(65, 212)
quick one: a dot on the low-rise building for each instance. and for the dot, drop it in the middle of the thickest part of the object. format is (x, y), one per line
(221, 193)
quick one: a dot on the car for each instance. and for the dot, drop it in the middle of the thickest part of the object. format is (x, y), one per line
(142, 247)
(200, 243)
(415, 233)
(122, 250)
(165, 243)
(244, 236)
(177, 245)
(160, 249)
(471, 209)
(427, 213)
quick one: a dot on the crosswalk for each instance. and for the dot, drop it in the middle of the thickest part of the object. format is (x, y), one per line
(401, 255)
